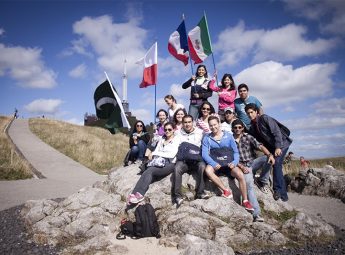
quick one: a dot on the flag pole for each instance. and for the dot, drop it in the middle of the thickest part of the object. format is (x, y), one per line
(190, 60)
(208, 32)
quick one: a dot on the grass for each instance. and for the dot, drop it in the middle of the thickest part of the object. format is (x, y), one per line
(12, 165)
(338, 163)
(93, 147)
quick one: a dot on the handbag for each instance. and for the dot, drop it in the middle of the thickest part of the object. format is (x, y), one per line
(157, 162)
(188, 152)
(223, 156)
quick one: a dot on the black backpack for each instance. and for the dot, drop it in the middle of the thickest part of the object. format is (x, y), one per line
(145, 225)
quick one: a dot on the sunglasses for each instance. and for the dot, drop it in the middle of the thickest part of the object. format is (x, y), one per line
(206, 109)
(139, 125)
(168, 129)
(237, 127)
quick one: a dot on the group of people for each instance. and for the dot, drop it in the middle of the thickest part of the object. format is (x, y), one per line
(212, 144)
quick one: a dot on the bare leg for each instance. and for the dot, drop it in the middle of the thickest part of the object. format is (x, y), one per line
(214, 178)
(238, 174)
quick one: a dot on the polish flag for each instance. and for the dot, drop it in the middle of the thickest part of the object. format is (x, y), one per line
(150, 67)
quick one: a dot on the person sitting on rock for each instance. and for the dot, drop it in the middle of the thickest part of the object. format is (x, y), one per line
(178, 117)
(138, 141)
(304, 163)
(163, 163)
(223, 141)
(249, 164)
(192, 135)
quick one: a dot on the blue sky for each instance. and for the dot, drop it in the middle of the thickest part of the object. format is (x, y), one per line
(53, 55)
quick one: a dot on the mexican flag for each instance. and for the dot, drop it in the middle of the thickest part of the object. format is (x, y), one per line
(199, 42)
(108, 106)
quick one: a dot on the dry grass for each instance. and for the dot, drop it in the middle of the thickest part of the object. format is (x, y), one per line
(93, 147)
(12, 166)
(338, 163)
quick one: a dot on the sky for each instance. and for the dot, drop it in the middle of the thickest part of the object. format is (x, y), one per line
(53, 55)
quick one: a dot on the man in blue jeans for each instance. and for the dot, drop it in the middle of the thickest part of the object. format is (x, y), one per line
(275, 137)
(249, 163)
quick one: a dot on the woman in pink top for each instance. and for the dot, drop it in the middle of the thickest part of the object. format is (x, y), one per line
(226, 92)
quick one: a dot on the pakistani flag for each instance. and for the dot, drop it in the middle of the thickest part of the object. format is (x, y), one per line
(108, 106)
(199, 42)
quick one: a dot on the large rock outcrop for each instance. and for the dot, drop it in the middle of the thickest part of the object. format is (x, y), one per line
(324, 182)
(88, 221)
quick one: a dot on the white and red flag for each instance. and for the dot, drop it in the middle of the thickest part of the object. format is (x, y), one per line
(149, 61)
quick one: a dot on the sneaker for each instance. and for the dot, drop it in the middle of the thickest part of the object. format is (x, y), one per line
(179, 201)
(284, 199)
(258, 218)
(227, 193)
(276, 195)
(247, 205)
(203, 196)
(139, 197)
(131, 198)
(135, 198)
(138, 161)
(263, 187)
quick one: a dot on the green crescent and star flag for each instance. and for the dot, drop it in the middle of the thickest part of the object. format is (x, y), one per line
(108, 106)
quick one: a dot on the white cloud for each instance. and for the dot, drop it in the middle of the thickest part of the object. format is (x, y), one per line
(289, 109)
(177, 91)
(143, 114)
(277, 84)
(75, 121)
(316, 137)
(78, 72)
(329, 14)
(315, 123)
(2, 31)
(44, 106)
(284, 43)
(332, 106)
(25, 65)
(111, 42)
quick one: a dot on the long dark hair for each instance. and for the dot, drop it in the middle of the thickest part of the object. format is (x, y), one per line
(205, 75)
(232, 85)
(202, 105)
(135, 127)
(175, 114)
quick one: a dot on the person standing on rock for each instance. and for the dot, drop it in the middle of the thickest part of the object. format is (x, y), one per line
(161, 165)
(220, 146)
(271, 134)
(192, 135)
(249, 164)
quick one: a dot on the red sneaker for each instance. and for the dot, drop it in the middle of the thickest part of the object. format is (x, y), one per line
(227, 193)
(247, 205)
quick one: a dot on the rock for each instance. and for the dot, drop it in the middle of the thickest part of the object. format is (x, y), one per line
(87, 222)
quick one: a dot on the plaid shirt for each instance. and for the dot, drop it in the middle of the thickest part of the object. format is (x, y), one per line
(246, 148)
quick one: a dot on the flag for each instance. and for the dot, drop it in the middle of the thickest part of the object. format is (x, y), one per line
(178, 44)
(150, 67)
(199, 42)
(108, 106)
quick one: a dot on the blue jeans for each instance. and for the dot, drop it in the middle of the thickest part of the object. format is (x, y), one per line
(194, 111)
(278, 176)
(261, 163)
(249, 177)
(138, 150)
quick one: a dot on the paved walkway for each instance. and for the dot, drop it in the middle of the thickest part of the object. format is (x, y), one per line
(63, 176)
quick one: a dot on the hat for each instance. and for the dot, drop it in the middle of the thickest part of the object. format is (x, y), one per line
(229, 109)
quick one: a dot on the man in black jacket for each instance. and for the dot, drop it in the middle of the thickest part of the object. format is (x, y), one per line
(270, 133)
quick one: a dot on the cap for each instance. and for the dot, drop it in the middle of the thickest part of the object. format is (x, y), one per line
(229, 109)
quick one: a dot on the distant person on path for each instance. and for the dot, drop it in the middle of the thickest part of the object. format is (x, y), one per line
(250, 164)
(287, 162)
(138, 141)
(199, 91)
(304, 163)
(230, 116)
(205, 111)
(15, 115)
(242, 101)
(219, 140)
(226, 93)
(166, 150)
(192, 135)
(173, 106)
(267, 131)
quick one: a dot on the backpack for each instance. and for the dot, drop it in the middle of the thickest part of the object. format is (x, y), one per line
(145, 225)
(188, 152)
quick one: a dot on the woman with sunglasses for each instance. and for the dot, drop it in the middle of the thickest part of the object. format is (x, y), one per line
(200, 90)
(205, 111)
(226, 93)
(166, 149)
(138, 141)
(178, 116)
